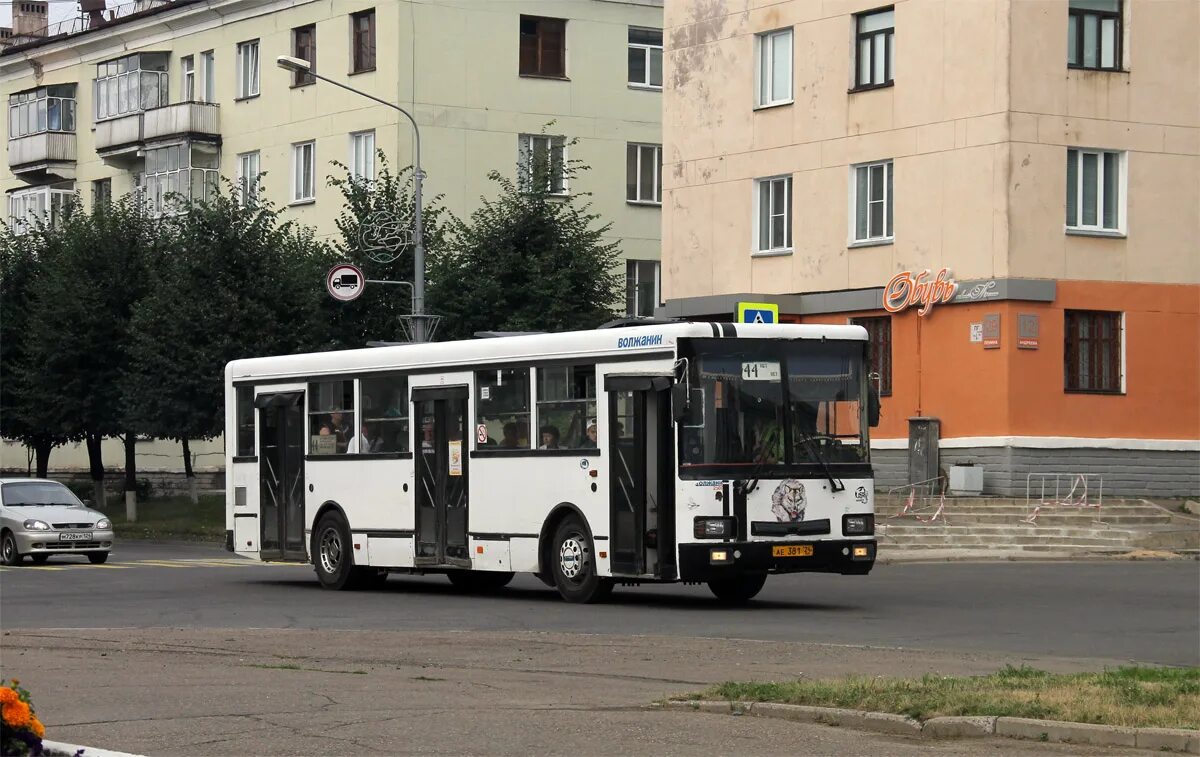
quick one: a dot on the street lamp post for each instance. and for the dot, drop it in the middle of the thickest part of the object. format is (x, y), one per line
(299, 65)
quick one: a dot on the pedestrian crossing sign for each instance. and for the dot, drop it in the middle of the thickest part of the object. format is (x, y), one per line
(757, 312)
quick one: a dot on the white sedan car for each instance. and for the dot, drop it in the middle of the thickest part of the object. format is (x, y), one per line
(40, 518)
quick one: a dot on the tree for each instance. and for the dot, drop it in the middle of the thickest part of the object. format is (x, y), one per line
(375, 230)
(21, 254)
(75, 345)
(529, 260)
(237, 283)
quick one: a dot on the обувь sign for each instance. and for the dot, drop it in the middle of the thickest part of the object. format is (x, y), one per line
(905, 290)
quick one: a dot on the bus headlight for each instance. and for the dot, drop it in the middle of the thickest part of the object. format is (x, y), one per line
(714, 528)
(858, 525)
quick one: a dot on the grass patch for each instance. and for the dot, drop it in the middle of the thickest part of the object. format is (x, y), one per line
(172, 518)
(1127, 696)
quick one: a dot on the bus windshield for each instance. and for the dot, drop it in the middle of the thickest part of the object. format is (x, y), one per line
(774, 404)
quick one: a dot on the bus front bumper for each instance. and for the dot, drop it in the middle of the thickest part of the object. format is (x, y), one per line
(714, 560)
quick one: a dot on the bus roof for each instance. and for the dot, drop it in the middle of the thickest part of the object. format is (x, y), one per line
(599, 343)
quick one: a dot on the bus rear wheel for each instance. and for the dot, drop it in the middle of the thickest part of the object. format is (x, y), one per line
(573, 564)
(739, 590)
(479, 581)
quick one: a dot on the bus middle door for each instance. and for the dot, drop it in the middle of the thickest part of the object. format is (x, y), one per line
(440, 446)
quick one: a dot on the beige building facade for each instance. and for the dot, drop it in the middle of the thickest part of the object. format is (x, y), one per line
(169, 96)
(1041, 156)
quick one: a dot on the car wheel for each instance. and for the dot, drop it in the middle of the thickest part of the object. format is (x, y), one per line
(333, 553)
(736, 591)
(97, 558)
(8, 550)
(573, 563)
(39, 559)
(479, 581)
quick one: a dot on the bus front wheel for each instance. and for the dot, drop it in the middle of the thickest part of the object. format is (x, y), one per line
(738, 590)
(573, 564)
(332, 553)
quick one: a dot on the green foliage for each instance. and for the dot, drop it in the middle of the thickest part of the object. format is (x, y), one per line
(528, 260)
(238, 283)
(377, 217)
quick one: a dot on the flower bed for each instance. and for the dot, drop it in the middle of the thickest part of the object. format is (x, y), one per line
(21, 732)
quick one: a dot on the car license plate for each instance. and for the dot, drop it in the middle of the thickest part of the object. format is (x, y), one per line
(83, 536)
(792, 550)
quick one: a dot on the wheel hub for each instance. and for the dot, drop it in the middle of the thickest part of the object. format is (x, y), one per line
(331, 551)
(571, 557)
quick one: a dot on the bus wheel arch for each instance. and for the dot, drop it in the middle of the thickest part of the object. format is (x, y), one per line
(568, 557)
(561, 511)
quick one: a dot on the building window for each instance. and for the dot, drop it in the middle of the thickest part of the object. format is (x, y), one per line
(1092, 351)
(362, 155)
(645, 57)
(879, 337)
(362, 41)
(41, 110)
(1094, 34)
(187, 75)
(247, 66)
(542, 155)
(543, 47)
(331, 418)
(101, 193)
(248, 172)
(27, 208)
(178, 175)
(131, 84)
(566, 406)
(876, 37)
(209, 91)
(872, 201)
(773, 198)
(304, 170)
(385, 415)
(1094, 196)
(643, 173)
(642, 287)
(304, 47)
(502, 406)
(774, 67)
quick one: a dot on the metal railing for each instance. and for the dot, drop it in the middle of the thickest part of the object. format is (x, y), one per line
(86, 21)
(1077, 490)
(924, 501)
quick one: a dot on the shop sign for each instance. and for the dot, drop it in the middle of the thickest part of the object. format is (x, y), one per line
(991, 331)
(906, 290)
(1027, 331)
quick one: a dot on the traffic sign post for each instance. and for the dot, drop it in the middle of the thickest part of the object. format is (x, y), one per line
(757, 312)
(345, 282)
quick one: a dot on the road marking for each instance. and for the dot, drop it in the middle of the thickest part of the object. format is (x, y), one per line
(180, 563)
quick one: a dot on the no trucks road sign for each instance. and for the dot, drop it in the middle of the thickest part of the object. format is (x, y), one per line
(345, 282)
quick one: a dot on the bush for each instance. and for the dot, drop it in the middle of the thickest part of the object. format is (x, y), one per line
(143, 489)
(20, 731)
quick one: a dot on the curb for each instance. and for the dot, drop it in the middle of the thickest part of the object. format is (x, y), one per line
(1166, 739)
(56, 748)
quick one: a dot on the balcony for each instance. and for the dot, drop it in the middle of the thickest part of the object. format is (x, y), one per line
(119, 136)
(36, 155)
(125, 136)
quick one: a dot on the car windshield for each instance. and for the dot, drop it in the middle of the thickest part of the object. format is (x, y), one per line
(758, 402)
(38, 494)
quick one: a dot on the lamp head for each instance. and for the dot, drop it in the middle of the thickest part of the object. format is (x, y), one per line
(298, 65)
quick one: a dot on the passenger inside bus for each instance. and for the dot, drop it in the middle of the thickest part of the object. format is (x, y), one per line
(337, 426)
(589, 441)
(512, 439)
(550, 437)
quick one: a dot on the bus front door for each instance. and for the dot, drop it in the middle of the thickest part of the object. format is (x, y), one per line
(281, 476)
(642, 527)
(440, 447)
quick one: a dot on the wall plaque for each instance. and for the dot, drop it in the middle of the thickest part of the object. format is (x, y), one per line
(991, 331)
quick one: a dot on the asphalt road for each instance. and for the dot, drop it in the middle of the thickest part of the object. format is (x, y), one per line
(1136, 611)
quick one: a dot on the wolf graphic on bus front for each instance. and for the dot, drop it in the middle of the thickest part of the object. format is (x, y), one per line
(695, 452)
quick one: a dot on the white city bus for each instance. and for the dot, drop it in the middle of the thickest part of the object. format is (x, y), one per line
(695, 452)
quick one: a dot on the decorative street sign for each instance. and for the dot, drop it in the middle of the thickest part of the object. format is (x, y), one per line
(757, 312)
(345, 282)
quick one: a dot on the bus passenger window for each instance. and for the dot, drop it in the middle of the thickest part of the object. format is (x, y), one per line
(385, 415)
(331, 428)
(245, 421)
(502, 407)
(566, 406)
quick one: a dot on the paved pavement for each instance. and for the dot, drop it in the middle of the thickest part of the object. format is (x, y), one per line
(1141, 611)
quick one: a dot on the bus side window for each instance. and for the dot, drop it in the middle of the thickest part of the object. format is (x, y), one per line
(502, 408)
(385, 415)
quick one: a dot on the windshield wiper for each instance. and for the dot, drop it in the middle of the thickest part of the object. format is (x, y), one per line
(834, 483)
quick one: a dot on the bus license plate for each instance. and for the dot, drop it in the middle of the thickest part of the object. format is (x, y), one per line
(75, 537)
(792, 550)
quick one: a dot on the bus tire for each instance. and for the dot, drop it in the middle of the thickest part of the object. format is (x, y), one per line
(738, 590)
(573, 564)
(479, 581)
(332, 553)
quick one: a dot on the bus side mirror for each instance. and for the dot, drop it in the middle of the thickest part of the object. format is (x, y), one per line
(679, 402)
(872, 407)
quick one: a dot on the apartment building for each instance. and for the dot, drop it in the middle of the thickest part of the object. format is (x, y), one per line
(168, 96)
(1003, 192)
